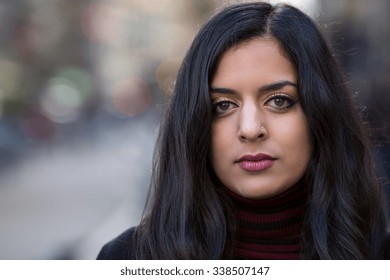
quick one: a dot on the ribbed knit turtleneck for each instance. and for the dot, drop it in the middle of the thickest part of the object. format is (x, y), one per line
(270, 228)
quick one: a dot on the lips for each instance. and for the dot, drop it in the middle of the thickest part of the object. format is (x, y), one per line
(257, 162)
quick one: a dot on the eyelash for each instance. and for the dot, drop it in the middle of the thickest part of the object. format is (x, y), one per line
(221, 101)
(283, 97)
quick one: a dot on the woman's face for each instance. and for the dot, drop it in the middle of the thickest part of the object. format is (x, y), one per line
(260, 139)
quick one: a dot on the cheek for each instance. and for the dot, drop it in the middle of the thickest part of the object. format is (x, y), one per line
(217, 136)
(295, 138)
(221, 140)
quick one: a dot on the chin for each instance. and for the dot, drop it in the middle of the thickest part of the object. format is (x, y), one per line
(257, 194)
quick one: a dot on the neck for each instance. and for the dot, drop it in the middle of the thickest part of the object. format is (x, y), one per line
(270, 228)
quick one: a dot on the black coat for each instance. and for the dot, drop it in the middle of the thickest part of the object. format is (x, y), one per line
(120, 248)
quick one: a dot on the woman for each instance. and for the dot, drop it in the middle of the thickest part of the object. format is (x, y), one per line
(262, 153)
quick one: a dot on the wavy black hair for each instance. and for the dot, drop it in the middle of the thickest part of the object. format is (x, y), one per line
(189, 217)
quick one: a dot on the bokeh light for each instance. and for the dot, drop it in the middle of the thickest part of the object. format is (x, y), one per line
(99, 22)
(131, 97)
(65, 94)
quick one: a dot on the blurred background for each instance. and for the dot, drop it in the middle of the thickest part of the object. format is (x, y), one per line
(83, 85)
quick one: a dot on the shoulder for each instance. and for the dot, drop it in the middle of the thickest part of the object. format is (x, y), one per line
(118, 248)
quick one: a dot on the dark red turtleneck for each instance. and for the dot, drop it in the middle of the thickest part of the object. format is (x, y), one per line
(270, 228)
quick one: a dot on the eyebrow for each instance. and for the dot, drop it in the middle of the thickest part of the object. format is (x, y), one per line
(269, 87)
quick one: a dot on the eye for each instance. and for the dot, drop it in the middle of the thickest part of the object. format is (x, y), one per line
(280, 101)
(222, 107)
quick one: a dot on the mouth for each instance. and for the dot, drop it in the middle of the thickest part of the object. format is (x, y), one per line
(255, 163)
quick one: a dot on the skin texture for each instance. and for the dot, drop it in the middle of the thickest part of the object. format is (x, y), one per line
(256, 111)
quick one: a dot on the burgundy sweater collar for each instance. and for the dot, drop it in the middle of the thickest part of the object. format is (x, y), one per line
(270, 228)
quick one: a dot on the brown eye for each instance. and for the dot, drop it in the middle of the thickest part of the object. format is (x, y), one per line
(223, 107)
(280, 102)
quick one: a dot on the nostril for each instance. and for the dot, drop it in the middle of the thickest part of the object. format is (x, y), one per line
(253, 134)
(263, 132)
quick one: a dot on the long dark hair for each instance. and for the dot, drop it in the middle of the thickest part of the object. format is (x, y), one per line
(188, 215)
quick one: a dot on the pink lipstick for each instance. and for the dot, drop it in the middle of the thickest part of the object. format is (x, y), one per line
(258, 162)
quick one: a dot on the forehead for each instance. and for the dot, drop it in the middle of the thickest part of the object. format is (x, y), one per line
(261, 58)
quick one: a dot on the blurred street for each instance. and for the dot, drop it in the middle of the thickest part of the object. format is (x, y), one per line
(53, 201)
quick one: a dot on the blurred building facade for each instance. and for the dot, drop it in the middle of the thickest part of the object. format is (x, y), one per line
(65, 61)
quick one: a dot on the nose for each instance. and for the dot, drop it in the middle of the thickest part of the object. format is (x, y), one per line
(252, 125)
